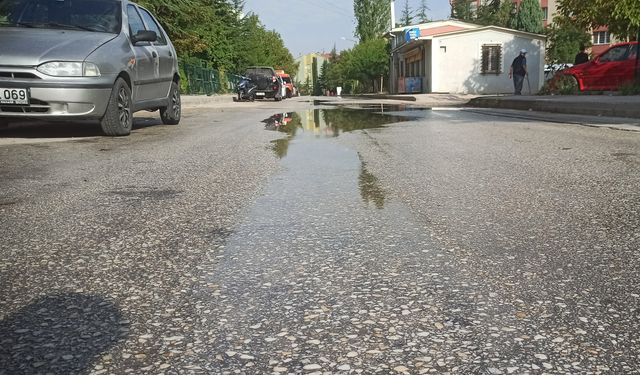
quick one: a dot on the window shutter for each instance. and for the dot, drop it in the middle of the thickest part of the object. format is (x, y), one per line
(491, 60)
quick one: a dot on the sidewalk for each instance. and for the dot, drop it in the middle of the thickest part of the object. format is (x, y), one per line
(190, 101)
(591, 105)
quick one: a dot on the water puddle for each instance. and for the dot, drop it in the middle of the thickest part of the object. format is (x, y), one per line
(327, 123)
(308, 134)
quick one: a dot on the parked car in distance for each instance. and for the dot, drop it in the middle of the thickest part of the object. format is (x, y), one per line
(288, 84)
(609, 70)
(267, 81)
(90, 59)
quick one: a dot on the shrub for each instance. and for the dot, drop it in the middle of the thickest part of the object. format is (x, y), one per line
(630, 88)
(560, 84)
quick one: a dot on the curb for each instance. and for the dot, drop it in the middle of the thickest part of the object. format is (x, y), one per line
(621, 109)
(195, 100)
(408, 98)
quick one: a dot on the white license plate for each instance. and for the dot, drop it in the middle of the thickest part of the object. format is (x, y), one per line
(14, 96)
(259, 94)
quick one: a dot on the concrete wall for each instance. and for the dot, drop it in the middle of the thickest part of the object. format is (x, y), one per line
(457, 62)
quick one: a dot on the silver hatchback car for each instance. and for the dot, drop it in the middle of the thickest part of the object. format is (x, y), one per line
(85, 59)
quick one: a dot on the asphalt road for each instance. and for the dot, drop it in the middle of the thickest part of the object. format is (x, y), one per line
(321, 241)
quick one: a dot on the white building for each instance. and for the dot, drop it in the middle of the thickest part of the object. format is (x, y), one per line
(458, 57)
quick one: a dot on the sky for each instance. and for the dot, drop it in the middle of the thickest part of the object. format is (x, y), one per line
(317, 25)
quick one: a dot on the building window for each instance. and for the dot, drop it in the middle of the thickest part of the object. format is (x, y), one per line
(601, 37)
(545, 12)
(491, 58)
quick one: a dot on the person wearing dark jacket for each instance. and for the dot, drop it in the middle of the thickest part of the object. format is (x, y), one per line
(518, 71)
(582, 56)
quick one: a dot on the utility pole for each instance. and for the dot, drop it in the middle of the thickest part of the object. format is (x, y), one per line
(393, 14)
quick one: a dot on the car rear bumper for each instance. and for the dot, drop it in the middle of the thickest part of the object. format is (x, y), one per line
(265, 94)
(80, 98)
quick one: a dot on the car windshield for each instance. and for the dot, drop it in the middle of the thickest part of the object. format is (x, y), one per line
(88, 15)
(286, 79)
(259, 72)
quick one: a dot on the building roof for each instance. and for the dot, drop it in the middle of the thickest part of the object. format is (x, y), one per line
(452, 27)
(494, 28)
(444, 30)
(436, 25)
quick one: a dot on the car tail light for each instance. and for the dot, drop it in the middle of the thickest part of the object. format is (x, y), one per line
(273, 79)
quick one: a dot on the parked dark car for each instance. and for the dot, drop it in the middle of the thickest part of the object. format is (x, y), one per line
(85, 59)
(609, 70)
(267, 81)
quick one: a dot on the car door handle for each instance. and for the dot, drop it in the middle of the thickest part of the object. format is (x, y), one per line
(154, 54)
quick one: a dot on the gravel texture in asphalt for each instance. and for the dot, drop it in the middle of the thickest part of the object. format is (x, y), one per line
(322, 241)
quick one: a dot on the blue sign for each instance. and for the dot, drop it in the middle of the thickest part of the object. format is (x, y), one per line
(411, 34)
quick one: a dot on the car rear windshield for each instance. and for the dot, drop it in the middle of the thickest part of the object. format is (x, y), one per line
(88, 15)
(259, 72)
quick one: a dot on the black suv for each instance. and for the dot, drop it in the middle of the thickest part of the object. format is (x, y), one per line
(267, 82)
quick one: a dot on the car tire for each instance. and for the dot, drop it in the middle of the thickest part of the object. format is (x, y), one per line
(574, 82)
(118, 118)
(277, 97)
(170, 114)
(289, 95)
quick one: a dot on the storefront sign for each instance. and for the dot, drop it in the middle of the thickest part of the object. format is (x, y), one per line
(411, 34)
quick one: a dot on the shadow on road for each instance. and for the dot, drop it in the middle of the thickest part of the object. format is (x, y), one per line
(59, 334)
(75, 129)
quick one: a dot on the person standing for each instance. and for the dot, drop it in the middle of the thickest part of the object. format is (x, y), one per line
(518, 71)
(582, 56)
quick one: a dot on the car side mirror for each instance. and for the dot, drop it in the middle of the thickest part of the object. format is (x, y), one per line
(144, 36)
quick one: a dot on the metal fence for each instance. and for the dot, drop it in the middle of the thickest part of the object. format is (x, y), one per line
(199, 79)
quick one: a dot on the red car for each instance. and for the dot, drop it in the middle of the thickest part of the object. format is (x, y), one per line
(609, 70)
(286, 79)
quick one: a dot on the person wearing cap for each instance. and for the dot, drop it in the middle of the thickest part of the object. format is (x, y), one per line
(518, 71)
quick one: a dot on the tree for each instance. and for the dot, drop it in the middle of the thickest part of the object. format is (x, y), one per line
(461, 9)
(218, 33)
(565, 39)
(529, 17)
(373, 18)
(495, 12)
(621, 16)
(368, 62)
(422, 12)
(406, 18)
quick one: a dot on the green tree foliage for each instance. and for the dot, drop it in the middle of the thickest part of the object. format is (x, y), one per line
(362, 66)
(564, 40)
(373, 18)
(529, 17)
(368, 62)
(421, 14)
(621, 16)
(216, 31)
(496, 13)
(461, 10)
(406, 18)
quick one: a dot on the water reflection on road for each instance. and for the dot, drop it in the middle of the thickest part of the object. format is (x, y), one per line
(327, 123)
(323, 124)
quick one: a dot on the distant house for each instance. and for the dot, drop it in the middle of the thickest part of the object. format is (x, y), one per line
(459, 57)
(306, 71)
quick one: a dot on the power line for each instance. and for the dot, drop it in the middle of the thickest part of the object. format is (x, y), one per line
(331, 9)
(338, 6)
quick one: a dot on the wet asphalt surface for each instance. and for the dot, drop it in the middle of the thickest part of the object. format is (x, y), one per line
(286, 238)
